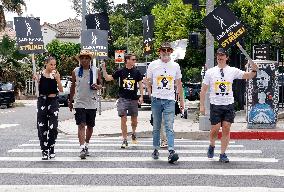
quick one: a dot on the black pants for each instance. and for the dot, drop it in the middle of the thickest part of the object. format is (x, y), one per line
(47, 121)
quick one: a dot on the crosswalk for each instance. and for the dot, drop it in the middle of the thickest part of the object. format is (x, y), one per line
(5, 111)
(110, 168)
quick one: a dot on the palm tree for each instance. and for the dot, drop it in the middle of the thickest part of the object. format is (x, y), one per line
(12, 6)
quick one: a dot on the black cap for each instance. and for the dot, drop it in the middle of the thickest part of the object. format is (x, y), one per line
(166, 45)
(222, 51)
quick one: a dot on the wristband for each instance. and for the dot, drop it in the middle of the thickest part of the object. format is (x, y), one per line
(254, 71)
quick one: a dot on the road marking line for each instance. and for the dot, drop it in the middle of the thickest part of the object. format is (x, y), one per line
(134, 151)
(3, 126)
(84, 188)
(119, 141)
(117, 144)
(142, 171)
(140, 159)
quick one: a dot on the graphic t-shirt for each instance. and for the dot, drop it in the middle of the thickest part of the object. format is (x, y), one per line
(220, 82)
(128, 79)
(163, 77)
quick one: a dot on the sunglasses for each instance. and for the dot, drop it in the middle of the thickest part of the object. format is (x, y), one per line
(166, 50)
(222, 72)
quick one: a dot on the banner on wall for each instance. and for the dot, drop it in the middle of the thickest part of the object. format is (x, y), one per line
(263, 96)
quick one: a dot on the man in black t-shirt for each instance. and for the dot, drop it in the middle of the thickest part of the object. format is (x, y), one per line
(128, 101)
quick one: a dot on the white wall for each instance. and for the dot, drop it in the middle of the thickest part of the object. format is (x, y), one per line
(48, 34)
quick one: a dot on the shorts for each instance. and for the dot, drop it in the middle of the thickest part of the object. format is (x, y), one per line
(220, 113)
(85, 116)
(127, 107)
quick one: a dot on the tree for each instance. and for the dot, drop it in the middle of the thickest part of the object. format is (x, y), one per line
(272, 29)
(93, 6)
(11, 67)
(12, 6)
(65, 53)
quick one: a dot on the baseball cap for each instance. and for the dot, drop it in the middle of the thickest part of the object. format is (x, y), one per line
(222, 51)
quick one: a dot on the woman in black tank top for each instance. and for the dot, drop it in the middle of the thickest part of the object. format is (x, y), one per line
(48, 107)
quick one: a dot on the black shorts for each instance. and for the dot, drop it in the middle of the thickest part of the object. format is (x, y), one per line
(86, 116)
(220, 113)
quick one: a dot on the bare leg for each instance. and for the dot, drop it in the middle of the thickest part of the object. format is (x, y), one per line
(226, 126)
(81, 133)
(124, 127)
(89, 133)
(134, 123)
(214, 133)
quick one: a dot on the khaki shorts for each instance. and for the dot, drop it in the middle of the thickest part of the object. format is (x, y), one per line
(127, 107)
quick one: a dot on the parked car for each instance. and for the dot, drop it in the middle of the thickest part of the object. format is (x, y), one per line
(64, 97)
(7, 94)
(142, 67)
(192, 91)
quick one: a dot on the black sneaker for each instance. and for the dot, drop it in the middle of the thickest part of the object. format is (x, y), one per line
(223, 158)
(210, 152)
(87, 151)
(173, 157)
(83, 154)
(44, 155)
(124, 144)
(134, 139)
(155, 154)
(51, 153)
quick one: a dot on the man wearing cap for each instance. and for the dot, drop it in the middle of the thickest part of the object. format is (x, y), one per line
(220, 80)
(163, 74)
(86, 80)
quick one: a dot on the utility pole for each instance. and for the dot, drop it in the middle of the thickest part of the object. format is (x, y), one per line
(84, 10)
(204, 123)
(127, 35)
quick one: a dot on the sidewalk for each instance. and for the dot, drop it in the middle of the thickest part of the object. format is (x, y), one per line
(108, 124)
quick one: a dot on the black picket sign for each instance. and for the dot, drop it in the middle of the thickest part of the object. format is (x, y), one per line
(29, 35)
(224, 26)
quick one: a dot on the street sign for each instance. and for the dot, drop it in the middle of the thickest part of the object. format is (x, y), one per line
(29, 35)
(148, 34)
(96, 41)
(224, 26)
(261, 52)
(119, 56)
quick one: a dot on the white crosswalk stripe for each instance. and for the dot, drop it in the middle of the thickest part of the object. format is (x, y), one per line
(3, 126)
(139, 157)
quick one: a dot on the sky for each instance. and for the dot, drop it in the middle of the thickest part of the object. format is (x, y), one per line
(51, 11)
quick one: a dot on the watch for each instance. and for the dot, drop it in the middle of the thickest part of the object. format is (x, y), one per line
(254, 71)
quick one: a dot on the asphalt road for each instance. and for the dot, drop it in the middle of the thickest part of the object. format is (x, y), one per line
(255, 165)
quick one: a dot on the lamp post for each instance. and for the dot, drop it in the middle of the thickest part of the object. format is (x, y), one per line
(204, 123)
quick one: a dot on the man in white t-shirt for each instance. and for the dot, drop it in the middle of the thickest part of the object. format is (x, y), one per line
(220, 80)
(163, 74)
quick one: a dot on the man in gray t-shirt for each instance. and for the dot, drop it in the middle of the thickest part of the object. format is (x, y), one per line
(84, 92)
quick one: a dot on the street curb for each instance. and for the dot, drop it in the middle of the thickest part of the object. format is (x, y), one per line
(235, 135)
(259, 135)
(178, 135)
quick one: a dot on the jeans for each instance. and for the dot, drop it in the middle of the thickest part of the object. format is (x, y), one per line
(167, 109)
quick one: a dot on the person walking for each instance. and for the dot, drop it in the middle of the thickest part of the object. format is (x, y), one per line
(163, 74)
(48, 107)
(220, 80)
(86, 81)
(127, 104)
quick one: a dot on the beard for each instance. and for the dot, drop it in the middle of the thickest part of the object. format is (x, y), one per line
(165, 58)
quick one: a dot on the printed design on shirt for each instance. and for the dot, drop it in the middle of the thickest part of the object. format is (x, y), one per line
(165, 82)
(222, 87)
(128, 84)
